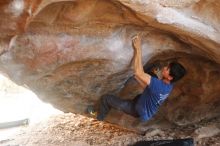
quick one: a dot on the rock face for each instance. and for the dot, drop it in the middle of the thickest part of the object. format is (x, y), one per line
(72, 52)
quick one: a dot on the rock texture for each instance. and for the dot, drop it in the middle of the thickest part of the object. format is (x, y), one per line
(72, 52)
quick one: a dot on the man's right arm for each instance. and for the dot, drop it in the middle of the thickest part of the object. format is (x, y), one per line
(142, 77)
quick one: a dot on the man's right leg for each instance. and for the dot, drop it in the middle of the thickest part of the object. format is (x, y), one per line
(111, 101)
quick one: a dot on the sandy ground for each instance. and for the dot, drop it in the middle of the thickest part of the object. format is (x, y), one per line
(76, 130)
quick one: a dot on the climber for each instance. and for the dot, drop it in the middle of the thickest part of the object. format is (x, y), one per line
(156, 89)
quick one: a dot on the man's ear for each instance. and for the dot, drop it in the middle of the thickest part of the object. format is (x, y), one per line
(170, 78)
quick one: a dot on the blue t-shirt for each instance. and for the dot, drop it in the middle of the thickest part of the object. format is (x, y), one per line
(152, 97)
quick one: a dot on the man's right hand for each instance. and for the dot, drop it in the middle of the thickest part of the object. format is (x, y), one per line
(136, 42)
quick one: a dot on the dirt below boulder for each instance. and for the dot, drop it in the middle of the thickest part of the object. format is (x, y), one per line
(76, 130)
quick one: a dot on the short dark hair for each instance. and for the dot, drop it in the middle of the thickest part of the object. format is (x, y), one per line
(177, 71)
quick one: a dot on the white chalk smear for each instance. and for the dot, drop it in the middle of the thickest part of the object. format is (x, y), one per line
(16, 7)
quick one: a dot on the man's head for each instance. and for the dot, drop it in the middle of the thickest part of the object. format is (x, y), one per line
(173, 72)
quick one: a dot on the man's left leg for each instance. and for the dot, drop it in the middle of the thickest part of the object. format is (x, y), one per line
(111, 101)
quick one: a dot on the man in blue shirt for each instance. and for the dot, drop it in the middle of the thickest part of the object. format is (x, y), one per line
(156, 90)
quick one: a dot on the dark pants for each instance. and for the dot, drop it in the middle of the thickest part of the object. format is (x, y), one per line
(111, 101)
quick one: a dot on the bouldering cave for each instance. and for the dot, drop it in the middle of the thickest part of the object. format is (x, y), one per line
(71, 52)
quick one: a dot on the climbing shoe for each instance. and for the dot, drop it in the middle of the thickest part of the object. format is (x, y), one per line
(91, 110)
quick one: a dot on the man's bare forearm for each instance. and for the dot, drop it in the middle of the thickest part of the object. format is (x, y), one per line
(138, 67)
